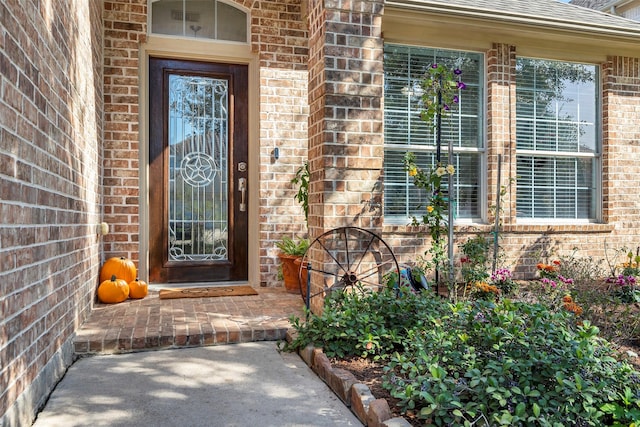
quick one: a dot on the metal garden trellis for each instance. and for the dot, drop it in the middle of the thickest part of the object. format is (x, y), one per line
(441, 88)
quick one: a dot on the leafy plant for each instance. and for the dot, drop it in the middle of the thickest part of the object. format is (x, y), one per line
(583, 270)
(548, 271)
(302, 196)
(440, 92)
(475, 261)
(484, 291)
(502, 278)
(508, 363)
(366, 324)
(625, 288)
(289, 246)
(540, 360)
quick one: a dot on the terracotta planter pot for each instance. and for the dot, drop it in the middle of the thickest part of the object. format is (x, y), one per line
(290, 272)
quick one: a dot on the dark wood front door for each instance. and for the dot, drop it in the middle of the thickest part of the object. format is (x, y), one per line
(197, 171)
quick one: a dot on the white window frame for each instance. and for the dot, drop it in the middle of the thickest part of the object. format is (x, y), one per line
(596, 157)
(431, 149)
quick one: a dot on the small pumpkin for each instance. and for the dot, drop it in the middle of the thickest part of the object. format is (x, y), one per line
(113, 291)
(123, 268)
(138, 289)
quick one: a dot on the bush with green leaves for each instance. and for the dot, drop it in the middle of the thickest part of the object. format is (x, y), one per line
(365, 323)
(512, 364)
(479, 362)
(475, 260)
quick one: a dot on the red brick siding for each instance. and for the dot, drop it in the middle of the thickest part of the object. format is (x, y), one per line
(279, 34)
(125, 28)
(50, 164)
(345, 117)
(346, 76)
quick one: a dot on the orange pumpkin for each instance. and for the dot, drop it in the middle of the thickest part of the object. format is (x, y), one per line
(138, 289)
(113, 291)
(123, 268)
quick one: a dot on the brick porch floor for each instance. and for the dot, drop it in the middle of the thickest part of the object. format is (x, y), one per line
(152, 323)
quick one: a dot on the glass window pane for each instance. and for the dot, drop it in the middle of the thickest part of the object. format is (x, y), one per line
(549, 187)
(231, 23)
(198, 151)
(556, 109)
(405, 67)
(208, 19)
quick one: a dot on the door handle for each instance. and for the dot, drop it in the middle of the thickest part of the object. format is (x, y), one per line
(242, 188)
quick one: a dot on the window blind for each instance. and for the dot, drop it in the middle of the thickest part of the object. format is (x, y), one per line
(405, 67)
(557, 145)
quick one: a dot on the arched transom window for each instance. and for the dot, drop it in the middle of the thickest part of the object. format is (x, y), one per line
(206, 19)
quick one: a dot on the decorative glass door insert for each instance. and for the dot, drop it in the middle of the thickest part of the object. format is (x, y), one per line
(198, 172)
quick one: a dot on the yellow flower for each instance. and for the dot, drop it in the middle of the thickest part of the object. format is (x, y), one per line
(440, 171)
(429, 208)
(451, 170)
(413, 172)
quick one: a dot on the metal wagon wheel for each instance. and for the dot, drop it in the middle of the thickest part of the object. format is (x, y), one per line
(349, 259)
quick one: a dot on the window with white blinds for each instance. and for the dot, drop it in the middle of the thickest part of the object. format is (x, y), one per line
(405, 67)
(558, 151)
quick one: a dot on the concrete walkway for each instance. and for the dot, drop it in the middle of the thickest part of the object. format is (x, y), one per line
(243, 385)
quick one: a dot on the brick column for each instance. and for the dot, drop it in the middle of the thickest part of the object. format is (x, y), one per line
(125, 27)
(346, 115)
(501, 127)
(620, 107)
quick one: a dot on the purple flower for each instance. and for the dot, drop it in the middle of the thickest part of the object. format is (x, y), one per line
(461, 85)
(501, 275)
(622, 280)
(456, 99)
(446, 107)
(457, 71)
(434, 66)
(547, 281)
(565, 280)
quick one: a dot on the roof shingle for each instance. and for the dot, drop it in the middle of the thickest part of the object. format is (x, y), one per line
(591, 4)
(545, 11)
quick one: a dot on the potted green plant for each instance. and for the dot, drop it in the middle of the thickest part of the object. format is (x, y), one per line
(290, 251)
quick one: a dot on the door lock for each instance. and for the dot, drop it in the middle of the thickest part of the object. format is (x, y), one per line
(242, 188)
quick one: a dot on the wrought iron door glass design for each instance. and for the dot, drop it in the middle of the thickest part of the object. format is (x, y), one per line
(198, 166)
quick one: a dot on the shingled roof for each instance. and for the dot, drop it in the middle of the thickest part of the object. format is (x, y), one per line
(591, 4)
(545, 13)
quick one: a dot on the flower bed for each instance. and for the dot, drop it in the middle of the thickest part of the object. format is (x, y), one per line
(484, 362)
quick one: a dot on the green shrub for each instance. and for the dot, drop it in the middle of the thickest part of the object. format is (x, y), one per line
(365, 323)
(289, 246)
(480, 362)
(509, 364)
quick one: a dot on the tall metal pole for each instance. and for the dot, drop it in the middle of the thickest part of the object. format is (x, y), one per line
(497, 225)
(438, 155)
(439, 121)
(450, 195)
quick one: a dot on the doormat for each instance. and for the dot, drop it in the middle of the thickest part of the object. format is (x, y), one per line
(213, 291)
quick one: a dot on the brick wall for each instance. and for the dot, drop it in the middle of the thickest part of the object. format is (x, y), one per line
(279, 35)
(346, 116)
(345, 119)
(50, 166)
(125, 28)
